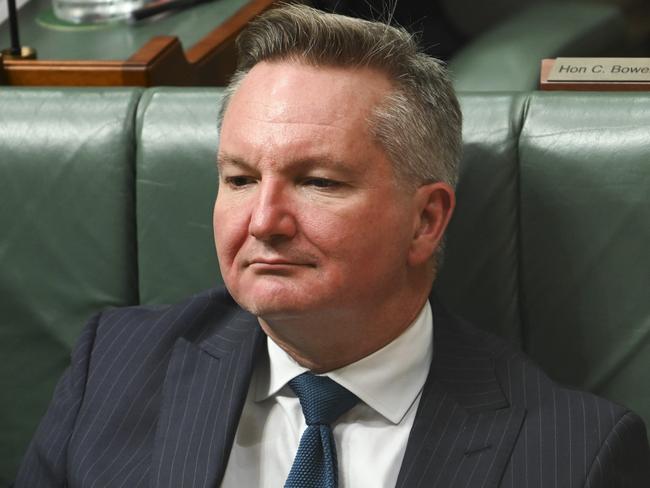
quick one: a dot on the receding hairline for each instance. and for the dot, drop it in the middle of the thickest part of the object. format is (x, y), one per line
(378, 57)
(323, 38)
(385, 86)
(236, 83)
(392, 87)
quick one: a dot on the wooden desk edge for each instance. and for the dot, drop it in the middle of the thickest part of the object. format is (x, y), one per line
(228, 30)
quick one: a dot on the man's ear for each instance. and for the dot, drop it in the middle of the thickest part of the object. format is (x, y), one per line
(435, 203)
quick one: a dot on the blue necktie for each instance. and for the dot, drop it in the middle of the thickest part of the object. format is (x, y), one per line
(323, 401)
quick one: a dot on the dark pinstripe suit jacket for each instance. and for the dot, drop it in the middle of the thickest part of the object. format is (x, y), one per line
(153, 398)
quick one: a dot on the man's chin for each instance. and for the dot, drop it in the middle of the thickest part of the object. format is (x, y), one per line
(272, 296)
(270, 305)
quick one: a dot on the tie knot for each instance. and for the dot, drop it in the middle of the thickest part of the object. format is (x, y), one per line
(322, 399)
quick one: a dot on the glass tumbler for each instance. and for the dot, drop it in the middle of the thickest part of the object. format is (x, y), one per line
(93, 11)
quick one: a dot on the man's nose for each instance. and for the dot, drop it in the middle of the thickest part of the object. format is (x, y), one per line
(272, 216)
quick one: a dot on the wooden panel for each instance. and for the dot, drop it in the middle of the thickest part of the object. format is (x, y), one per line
(72, 73)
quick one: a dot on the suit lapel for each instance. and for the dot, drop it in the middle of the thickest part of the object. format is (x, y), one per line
(464, 429)
(204, 392)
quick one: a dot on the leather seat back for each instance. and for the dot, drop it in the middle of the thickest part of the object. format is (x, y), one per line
(67, 238)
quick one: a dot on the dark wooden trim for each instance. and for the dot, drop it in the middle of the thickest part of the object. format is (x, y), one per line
(228, 31)
(71, 73)
(215, 56)
(2, 71)
(163, 62)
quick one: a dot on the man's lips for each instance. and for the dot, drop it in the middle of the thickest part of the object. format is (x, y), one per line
(277, 262)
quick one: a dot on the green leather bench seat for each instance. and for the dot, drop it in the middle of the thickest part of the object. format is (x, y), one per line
(67, 238)
(585, 246)
(106, 200)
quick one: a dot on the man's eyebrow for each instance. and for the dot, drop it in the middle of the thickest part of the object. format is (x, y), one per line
(322, 162)
(224, 159)
(307, 163)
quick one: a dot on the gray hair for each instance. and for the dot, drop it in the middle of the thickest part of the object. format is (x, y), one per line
(418, 124)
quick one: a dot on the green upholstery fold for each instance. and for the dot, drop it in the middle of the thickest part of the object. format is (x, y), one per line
(176, 185)
(482, 240)
(67, 247)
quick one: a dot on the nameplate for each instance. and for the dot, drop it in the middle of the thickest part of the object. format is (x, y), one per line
(600, 69)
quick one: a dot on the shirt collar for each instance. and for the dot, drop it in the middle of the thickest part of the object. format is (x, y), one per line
(388, 380)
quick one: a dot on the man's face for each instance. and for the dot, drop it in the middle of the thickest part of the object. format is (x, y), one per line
(309, 218)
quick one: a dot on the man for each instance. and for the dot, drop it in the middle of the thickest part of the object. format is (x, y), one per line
(323, 364)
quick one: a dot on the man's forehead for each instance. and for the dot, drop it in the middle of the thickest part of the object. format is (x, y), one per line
(293, 91)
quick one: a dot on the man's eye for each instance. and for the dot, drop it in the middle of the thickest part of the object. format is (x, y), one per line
(239, 181)
(321, 183)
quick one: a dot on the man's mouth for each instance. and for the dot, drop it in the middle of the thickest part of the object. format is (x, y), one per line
(260, 263)
(272, 261)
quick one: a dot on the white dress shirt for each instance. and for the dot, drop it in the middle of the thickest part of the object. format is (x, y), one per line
(370, 438)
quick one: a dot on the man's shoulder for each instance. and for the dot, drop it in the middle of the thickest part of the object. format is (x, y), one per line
(193, 318)
(572, 432)
(210, 300)
(586, 433)
(523, 382)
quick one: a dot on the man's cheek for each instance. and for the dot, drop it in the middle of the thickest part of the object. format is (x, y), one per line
(227, 253)
(230, 229)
